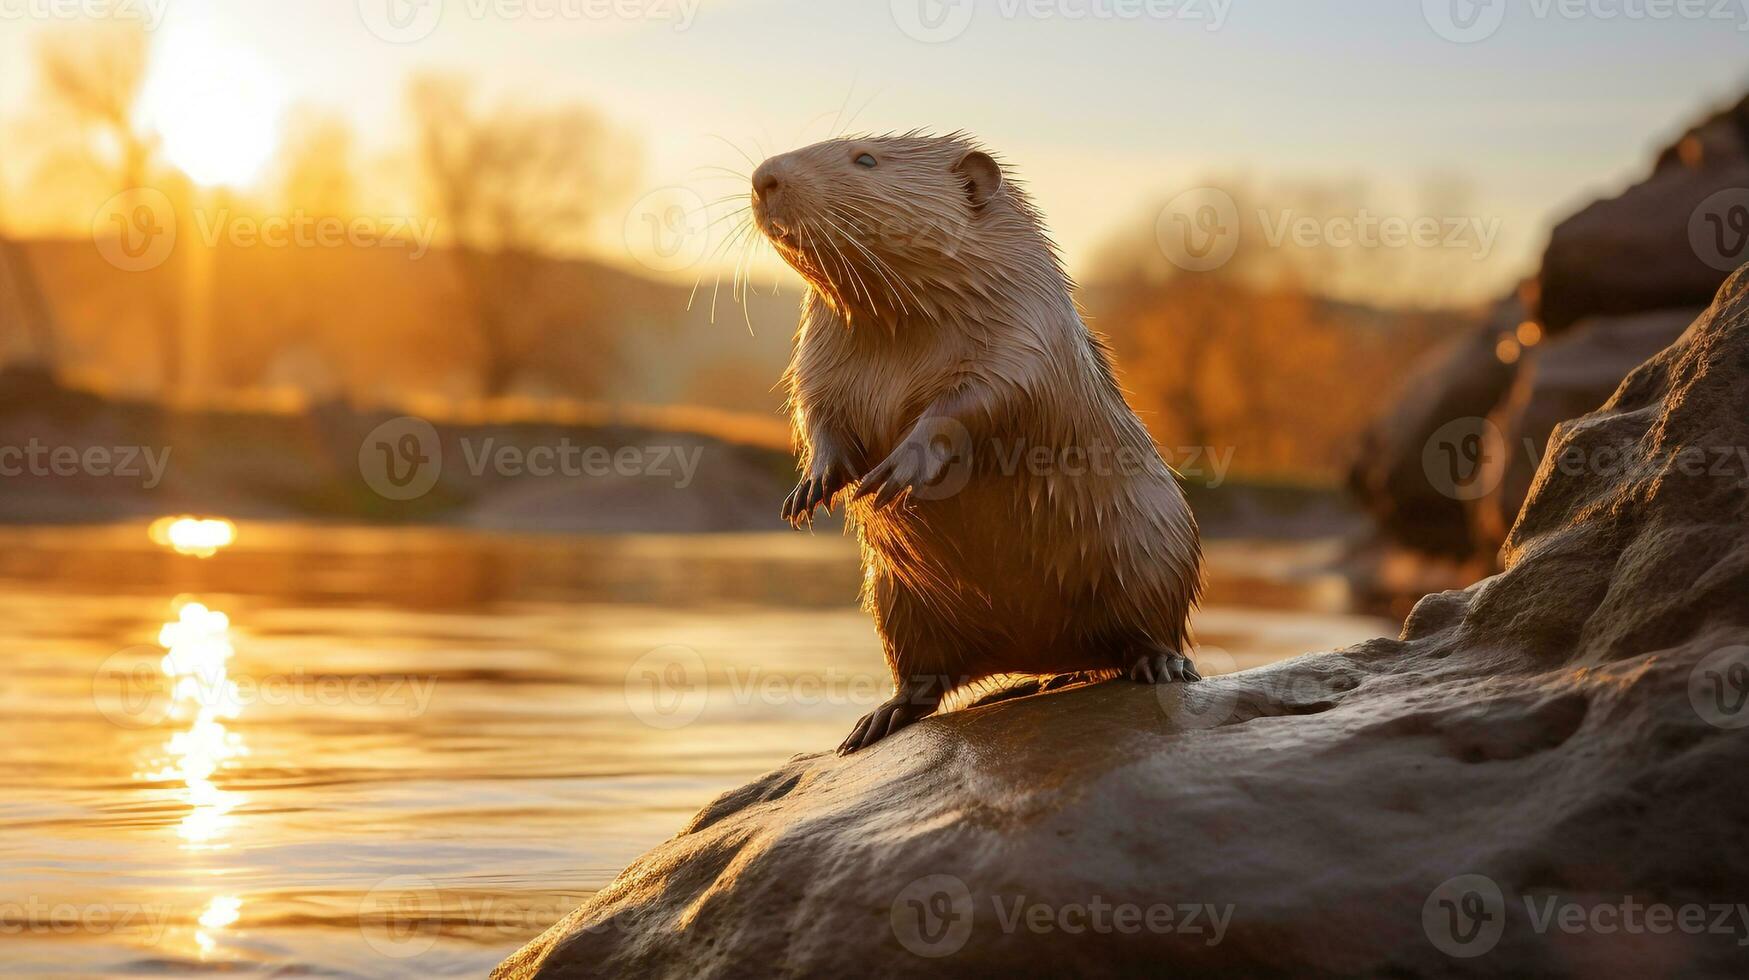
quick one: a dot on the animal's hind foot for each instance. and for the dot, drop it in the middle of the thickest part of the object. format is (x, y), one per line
(1162, 667)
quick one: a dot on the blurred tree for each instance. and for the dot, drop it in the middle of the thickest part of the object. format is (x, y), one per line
(319, 175)
(513, 187)
(89, 80)
(1256, 357)
(24, 310)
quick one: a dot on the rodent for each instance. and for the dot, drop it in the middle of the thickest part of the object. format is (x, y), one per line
(942, 367)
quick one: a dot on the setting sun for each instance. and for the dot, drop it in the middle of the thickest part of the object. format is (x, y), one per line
(213, 106)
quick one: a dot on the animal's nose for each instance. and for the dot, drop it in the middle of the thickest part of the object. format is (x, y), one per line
(767, 179)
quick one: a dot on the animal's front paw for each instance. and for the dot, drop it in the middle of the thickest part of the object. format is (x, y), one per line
(893, 714)
(911, 466)
(1162, 667)
(815, 489)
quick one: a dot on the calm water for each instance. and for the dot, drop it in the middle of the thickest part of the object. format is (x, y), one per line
(350, 752)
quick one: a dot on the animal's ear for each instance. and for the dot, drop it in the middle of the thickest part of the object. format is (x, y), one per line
(982, 176)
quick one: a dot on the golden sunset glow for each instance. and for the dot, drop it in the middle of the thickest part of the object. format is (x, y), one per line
(213, 106)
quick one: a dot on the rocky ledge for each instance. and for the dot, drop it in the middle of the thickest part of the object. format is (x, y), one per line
(1543, 773)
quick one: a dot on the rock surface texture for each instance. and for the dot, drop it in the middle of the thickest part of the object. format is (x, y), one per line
(1544, 774)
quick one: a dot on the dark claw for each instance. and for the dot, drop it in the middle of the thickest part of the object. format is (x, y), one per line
(1159, 667)
(870, 482)
(853, 742)
(799, 506)
(1142, 671)
(891, 716)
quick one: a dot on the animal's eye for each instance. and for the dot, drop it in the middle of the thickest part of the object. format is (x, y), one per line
(866, 160)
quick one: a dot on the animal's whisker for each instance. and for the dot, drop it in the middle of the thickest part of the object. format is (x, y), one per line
(886, 271)
(866, 291)
(843, 260)
(747, 223)
(726, 142)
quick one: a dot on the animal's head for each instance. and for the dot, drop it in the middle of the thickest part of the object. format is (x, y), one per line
(892, 226)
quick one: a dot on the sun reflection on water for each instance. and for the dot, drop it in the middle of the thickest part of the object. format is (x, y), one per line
(198, 645)
(222, 911)
(203, 698)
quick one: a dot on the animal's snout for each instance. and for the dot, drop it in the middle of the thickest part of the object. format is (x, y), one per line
(765, 182)
(769, 177)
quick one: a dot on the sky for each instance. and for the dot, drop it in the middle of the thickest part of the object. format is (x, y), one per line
(1107, 108)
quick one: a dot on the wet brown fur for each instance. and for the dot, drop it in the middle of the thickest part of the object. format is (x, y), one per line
(933, 311)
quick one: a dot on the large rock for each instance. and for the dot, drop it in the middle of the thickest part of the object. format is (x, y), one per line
(1543, 774)
(1658, 250)
(1666, 242)
(1560, 380)
(1456, 384)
